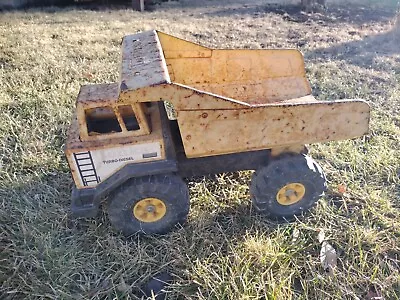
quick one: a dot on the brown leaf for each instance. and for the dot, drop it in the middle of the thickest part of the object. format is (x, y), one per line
(88, 75)
(342, 189)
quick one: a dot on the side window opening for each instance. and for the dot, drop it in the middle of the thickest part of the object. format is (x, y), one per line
(101, 120)
(129, 118)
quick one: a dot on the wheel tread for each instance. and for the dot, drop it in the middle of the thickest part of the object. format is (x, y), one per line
(171, 188)
(267, 181)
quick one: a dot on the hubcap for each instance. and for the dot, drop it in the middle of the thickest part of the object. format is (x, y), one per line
(291, 194)
(149, 210)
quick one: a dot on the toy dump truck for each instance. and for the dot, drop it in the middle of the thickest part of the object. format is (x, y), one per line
(235, 110)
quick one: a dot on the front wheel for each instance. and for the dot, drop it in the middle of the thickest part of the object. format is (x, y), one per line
(150, 204)
(287, 186)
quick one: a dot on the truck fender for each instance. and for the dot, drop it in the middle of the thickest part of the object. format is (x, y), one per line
(86, 202)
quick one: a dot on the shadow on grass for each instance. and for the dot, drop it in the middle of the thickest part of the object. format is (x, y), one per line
(86, 257)
(362, 53)
(334, 14)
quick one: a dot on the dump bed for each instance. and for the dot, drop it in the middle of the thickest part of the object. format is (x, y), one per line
(230, 101)
(252, 77)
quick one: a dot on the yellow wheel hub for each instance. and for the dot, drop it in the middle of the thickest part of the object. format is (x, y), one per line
(291, 194)
(149, 210)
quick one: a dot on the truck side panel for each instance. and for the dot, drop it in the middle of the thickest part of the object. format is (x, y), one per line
(214, 132)
(94, 166)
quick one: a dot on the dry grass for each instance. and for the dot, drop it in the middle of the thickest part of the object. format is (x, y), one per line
(225, 251)
(397, 25)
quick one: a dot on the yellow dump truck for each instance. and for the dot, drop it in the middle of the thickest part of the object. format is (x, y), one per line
(235, 110)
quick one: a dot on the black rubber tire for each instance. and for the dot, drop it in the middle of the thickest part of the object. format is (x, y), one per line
(171, 189)
(267, 181)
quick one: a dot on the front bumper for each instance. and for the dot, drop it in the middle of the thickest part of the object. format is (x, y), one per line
(83, 204)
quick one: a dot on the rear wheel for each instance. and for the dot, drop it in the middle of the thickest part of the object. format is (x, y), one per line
(150, 204)
(287, 186)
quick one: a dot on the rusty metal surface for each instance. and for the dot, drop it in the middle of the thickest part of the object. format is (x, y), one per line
(96, 95)
(75, 143)
(213, 132)
(252, 76)
(143, 62)
(106, 95)
(182, 97)
(174, 47)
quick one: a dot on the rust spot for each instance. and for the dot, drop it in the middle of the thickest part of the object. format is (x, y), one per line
(204, 115)
(188, 137)
(189, 95)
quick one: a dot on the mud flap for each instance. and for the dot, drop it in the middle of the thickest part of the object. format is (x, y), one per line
(83, 204)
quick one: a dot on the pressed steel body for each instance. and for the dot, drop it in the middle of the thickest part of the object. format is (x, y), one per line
(228, 104)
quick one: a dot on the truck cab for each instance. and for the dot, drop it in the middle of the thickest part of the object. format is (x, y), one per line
(106, 135)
